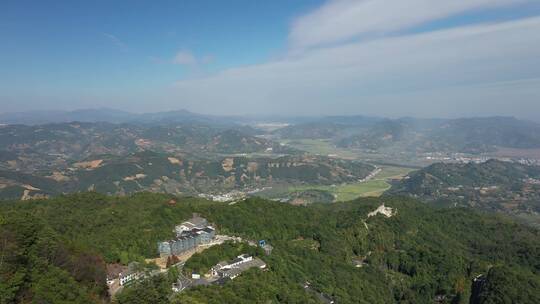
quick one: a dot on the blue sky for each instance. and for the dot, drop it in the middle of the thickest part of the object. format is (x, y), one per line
(376, 57)
(120, 44)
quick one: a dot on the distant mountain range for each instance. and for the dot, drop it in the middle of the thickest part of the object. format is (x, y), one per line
(166, 117)
(39, 147)
(469, 135)
(110, 116)
(118, 152)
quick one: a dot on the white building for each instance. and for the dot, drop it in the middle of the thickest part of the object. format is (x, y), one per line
(130, 274)
(237, 266)
(127, 277)
(240, 260)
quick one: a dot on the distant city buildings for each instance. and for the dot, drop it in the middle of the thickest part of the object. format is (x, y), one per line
(234, 195)
(476, 159)
(455, 157)
(529, 161)
(189, 235)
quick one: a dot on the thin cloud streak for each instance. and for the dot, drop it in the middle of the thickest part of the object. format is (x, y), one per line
(184, 57)
(116, 41)
(187, 59)
(340, 20)
(386, 75)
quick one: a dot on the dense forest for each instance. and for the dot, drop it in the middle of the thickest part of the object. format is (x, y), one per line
(38, 265)
(57, 249)
(494, 185)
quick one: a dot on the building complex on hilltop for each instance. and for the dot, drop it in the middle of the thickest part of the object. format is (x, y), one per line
(237, 266)
(189, 235)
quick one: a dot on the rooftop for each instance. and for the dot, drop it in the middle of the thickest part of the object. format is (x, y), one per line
(233, 271)
(196, 221)
(192, 233)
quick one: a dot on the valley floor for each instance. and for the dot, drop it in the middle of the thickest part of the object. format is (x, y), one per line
(371, 187)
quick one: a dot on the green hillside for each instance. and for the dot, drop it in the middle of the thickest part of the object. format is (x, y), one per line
(156, 172)
(53, 146)
(467, 135)
(416, 256)
(493, 185)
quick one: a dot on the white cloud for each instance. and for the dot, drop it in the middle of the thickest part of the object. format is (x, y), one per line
(453, 70)
(207, 59)
(184, 57)
(116, 41)
(339, 20)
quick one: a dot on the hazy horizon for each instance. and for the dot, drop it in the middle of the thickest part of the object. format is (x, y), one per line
(255, 116)
(473, 58)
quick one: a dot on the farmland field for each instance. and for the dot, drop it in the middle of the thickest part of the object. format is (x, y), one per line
(320, 147)
(373, 187)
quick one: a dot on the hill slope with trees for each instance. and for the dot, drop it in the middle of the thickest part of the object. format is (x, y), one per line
(418, 255)
(494, 185)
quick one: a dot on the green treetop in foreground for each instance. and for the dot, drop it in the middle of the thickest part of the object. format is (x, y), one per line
(417, 255)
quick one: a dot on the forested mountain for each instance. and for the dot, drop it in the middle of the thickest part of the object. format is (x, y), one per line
(40, 265)
(383, 134)
(158, 172)
(314, 130)
(40, 147)
(493, 185)
(414, 254)
(455, 135)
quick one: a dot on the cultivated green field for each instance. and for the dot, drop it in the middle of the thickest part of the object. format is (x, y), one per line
(320, 147)
(374, 187)
(390, 172)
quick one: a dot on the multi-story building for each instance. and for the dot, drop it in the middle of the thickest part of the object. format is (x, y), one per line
(189, 235)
